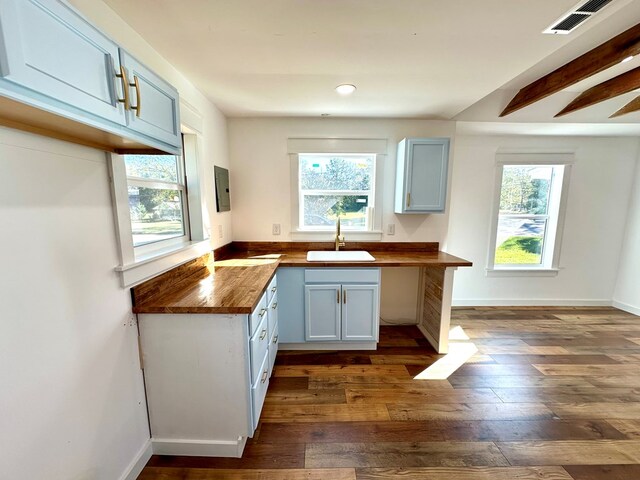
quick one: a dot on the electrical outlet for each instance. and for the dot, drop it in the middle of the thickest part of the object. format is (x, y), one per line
(220, 234)
(275, 229)
(391, 229)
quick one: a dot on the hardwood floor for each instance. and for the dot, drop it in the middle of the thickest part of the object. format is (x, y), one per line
(551, 394)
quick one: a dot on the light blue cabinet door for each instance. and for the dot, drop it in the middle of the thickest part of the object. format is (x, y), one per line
(360, 312)
(51, 50)
(322, 312)
(154, 103)
(421, 184)
(291, 304)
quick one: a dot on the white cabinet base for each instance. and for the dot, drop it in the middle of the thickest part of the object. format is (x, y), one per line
(199, 448)
(329, 346)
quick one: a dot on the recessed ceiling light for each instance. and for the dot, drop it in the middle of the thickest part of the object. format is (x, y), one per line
(628, 59)
(325, 114)
(345, 89)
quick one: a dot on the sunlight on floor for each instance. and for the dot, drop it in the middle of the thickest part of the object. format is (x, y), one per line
(459, 353)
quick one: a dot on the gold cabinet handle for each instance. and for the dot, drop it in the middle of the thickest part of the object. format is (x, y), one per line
(338, 296)
(275, 339)
(263, 334)
(273, 290)
(344, 297)
(125, 89)
(138, 106)
(275, 305)
(262, 312)
(408, 200)
(264, 377)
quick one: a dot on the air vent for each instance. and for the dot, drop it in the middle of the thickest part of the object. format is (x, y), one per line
(593, 6)
(576, 16)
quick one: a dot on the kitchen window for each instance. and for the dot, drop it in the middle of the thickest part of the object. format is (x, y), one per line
(158, 211)
(336, 185)
(528, 217)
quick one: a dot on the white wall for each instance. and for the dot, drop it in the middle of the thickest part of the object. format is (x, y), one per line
(72, 397)
(261, 188)
(627, 293)
(596, 214)
(71, 390)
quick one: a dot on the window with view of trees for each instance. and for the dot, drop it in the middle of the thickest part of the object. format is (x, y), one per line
(156, 189)
(528, 215)
(332, 185)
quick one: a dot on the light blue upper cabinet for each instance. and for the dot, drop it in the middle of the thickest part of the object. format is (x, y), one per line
(421, 175)
(154, 103)
(54, 63)
(54, 53)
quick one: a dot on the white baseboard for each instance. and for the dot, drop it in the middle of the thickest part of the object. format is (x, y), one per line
(626, 307)
(139, 461)
(199, 448)
(551, 302)
(329, 346)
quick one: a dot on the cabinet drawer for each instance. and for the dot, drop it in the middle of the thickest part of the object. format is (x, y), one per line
(258, 314)
(342, 275)
(273, 315)
(272, 288)
(273, 350)
(258, 346)
(259, 389)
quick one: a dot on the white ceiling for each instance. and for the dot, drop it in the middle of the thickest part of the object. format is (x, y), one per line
(410, 58)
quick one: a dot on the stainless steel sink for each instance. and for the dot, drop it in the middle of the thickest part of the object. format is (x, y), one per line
(339, 256)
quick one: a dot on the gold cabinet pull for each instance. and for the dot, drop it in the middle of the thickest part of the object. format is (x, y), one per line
(338, 296)
(273, 290)
(408, 200)
(275, 305)
(138, 106)
(344, 297)
(125, 89)
(275, 339)
(263, 334)
(264, 377)
(262, 312)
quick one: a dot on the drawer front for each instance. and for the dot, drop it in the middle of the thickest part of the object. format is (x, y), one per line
(259, 389)
(273, 350)
(342, 275)
(273, 314)
(258, 315)
(272, 288)
(258, 345)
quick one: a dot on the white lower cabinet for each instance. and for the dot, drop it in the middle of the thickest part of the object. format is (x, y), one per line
(206, 377)
(342, 304)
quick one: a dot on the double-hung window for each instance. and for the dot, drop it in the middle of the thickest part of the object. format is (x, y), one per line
(336, 185)
(528, 220)
(157, 201)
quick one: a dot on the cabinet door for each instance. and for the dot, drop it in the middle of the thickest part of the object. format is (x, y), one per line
(49, 49)
(427, 175)
(322, 312)
(360, 312)
(154, 103)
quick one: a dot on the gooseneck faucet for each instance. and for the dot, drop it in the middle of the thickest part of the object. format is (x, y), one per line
(339, 241)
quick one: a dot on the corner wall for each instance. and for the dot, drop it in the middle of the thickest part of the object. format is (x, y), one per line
(627, 294)
(599, 191)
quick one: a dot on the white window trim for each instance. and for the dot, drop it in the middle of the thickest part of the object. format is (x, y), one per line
(375, 146)
(138, 265)
(550, 267)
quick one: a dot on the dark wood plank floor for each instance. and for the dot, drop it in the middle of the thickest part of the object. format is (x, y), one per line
(551, 394)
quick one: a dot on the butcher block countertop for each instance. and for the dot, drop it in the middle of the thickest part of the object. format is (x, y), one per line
(239, 275)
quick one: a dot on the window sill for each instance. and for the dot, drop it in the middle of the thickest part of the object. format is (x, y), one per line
(522, 272)
(329, 235)
(160, 261)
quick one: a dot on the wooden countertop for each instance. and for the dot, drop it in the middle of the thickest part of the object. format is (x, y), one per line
(235, 281)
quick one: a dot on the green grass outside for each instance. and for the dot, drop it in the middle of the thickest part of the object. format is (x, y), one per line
(519, 250)
(166, 227)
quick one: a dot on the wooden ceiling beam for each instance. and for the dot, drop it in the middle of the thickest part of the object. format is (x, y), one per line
(625, 83)
(632, 106)
(597, 60)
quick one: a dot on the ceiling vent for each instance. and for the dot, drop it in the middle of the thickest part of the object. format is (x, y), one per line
(576, 16)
